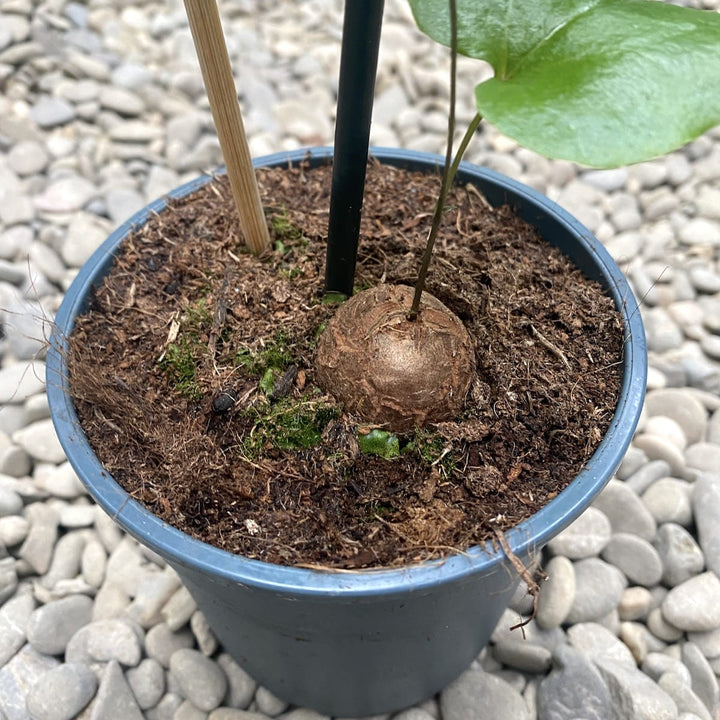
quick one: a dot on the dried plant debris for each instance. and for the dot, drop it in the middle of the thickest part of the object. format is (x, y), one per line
(193, 376)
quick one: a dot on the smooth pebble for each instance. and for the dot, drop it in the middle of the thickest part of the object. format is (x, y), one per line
(693, 605)
(625, 510)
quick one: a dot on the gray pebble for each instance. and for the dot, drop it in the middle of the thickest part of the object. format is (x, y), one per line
(625, 510)
(151, 594)
(585, 537)
(700, 232)
(203, 681)
(634, 694)
(60, 481)
(206, 640)
(27, 158)
(161, 643)
(224, 713)
(14, 616)
(647, 474)
(661, 628)
(135, 131)
(668, 500)
(683, 695)
(573, 689)
(166, 708)
(680, 555)
(84, 235)
(686, 410)
(660, 448)
(268, 703)
(8, 578)
(713, 430)
(113, 640)
(656, 664)
(123, 203)
(706, 507)
(634, 603)
(108, 531)
(648, 175)
(703, 456)
(414, 713)
(523, 656)
(556, 593)
(703, 680)
(10, 503)
(639, 640)
(14, 461)
(65, 195)
(38, 547)
(49, 112)
(125, 565)
(76, 515)
(624, 246)
(65, 563)
(241, 687)
(704, 280)
(178, 610)
(708, 642)
(111, 601)
(595, 642)
(711, 321)
(14, 274)
(662, 333)
(633, 461)
(693, 605)
(92, 563)
(76, 648)
(187, 711)
(20, 381)
(121, 101)
(635, 557)
(51, 626)
(598, 589)
(43, 258)
(40, 441)
(147, 681)
(115, 699)
(481, 696)
(710, 345)
(17, 207)
(61, 693)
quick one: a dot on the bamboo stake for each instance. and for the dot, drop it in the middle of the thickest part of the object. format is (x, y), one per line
(220, 87)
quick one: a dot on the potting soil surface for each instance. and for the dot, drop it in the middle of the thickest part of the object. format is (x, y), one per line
(192, 374)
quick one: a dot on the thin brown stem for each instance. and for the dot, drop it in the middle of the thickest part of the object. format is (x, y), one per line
(449, 169)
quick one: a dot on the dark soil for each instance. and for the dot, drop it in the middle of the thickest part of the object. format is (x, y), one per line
(192, 374)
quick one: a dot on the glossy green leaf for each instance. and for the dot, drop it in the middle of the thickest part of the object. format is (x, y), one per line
(599, 82)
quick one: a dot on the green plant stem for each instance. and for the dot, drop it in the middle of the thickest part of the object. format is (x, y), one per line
(449, 169)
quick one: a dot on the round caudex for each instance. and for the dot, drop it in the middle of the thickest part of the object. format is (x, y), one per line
(392, 371)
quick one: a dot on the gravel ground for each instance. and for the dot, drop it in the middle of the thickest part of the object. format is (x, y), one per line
(102, 110)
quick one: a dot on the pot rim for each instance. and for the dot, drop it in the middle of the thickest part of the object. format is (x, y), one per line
(524, 539)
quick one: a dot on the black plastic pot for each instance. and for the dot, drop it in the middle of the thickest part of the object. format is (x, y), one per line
(362, 642)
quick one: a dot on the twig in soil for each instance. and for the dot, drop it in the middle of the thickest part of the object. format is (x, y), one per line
(549, 346)
(532, 587)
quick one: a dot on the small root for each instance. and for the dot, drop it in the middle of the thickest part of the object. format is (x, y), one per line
(549, 346)
(525, 575)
